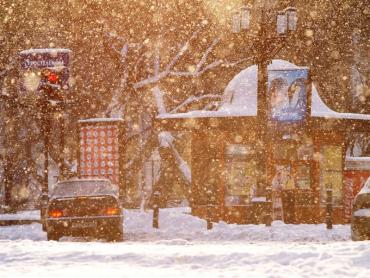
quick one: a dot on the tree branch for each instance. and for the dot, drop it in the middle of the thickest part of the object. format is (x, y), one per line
(160, 75)
(193, 99)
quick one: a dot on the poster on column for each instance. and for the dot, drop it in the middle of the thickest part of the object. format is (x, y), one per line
(287, 95)
(99, 151)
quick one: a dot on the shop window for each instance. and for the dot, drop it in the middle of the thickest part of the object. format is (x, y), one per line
(240, 179)
(303, 176)
(331, 173)
(306, 150)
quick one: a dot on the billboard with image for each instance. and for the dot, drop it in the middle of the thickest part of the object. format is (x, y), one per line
(287, 95)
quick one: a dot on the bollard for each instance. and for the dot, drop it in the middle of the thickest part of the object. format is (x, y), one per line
(329, 207)
(268, 216)
(209, 218)
(209, 207)
(156, 210)
(268, 207)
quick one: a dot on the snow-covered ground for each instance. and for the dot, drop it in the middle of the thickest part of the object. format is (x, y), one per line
(182, 247)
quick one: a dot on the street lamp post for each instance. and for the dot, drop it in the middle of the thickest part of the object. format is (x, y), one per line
(286, 23)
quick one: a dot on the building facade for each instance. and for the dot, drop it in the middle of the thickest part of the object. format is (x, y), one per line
(306, 151)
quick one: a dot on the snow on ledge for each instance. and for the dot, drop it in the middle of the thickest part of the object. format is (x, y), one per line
(206, 114)
(357, 163)
(362, 213)
(98, 120)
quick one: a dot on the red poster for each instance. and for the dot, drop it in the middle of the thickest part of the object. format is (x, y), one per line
(99, 155)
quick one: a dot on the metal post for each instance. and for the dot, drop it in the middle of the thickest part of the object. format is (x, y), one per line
(45, 126)
(262, 88)
(46, 129)
(209, 213)
(62, 173)
(156, 209)
(8, 179)
(329, 207)
(9, 154)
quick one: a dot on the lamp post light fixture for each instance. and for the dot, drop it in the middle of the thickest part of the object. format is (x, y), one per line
(265, 42)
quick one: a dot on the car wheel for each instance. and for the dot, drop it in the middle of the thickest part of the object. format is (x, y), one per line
(53, 236)
(356, 237)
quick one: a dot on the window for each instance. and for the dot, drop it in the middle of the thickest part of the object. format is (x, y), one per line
(303, 176)
(240, 179)
(331, 173)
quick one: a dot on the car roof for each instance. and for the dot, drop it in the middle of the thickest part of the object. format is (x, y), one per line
(97, 187)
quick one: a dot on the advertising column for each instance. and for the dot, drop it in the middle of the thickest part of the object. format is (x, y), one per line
(101, 149)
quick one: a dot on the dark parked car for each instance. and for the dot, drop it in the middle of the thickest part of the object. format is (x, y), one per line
(85, 207)
(360, 221)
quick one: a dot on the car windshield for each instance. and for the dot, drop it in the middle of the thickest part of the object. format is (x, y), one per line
(84, 188)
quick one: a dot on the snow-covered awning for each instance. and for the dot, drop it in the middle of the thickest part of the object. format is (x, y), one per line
(321, 110)
(357, 163)
(240, 98)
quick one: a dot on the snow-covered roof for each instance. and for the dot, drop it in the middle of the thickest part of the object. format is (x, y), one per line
(321, 110)
(45, 50)
(240, 98)
(99, 120)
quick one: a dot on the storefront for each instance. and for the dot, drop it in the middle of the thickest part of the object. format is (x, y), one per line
(306, 148)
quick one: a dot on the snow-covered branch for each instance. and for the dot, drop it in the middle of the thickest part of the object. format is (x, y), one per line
(199, 68)
(157, 59)
(158, 95)
(168, 71)
(237, 62)
(183, 49)
(193, 99)
(166, 141)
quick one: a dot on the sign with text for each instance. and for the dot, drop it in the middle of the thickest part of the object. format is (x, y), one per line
(287, 95)
(99, 150)
(33, 61)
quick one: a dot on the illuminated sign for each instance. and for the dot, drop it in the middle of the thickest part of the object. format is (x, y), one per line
(34, 61)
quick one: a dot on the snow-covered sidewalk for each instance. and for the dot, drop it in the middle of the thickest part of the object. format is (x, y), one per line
(182, 247)
(22, 215)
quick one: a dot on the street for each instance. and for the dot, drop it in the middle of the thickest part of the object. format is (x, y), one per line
(183, 247)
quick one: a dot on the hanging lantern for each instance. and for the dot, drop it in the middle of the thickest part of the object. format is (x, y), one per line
(292, 18)
(281, 23)
(245, 18)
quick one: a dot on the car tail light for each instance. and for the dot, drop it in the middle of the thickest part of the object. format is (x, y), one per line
(55, 213)
(112, 211)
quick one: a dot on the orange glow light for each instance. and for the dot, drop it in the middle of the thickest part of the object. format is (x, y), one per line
(112, 211)
(55, 213)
